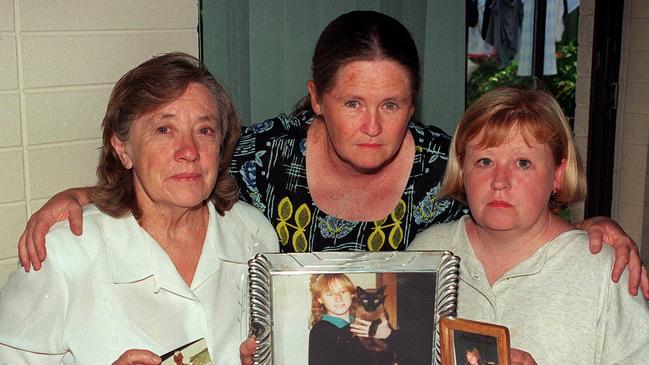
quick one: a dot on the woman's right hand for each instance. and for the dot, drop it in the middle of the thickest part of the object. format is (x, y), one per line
(138, 357)
(68, 205)
(246, 350)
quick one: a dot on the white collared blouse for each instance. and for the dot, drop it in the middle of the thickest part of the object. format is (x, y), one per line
(114, 289)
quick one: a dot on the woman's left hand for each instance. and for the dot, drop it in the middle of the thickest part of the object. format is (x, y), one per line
(361, 328)
(603, 229)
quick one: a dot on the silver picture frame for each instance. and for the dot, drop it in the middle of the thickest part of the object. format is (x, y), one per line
(422, 287)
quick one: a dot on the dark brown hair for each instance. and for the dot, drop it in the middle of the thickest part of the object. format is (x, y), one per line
(140, 92)
(361, 36)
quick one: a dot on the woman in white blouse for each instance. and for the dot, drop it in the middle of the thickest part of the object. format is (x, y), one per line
(162, 259)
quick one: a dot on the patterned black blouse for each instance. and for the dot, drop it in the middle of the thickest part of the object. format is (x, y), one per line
(269, 163)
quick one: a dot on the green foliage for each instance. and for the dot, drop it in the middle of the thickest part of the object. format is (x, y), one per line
(490, 75)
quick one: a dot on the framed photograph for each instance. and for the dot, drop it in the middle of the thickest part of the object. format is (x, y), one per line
(351, 307)
(473, 343)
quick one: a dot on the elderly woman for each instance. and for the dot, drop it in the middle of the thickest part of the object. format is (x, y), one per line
(514, 162)
(350, 169)
(162, 260)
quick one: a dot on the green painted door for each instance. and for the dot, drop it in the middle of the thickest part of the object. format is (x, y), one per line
(261, 51)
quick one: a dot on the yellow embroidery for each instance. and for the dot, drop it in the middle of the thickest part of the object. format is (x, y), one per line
(377, 238)
(302, 220)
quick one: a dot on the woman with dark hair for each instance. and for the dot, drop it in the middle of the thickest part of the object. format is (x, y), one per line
(163, 255)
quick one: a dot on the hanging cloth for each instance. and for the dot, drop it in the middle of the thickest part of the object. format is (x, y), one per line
(503, 29)
(553, 33)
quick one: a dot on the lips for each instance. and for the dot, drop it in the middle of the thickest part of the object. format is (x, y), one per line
(186, 176)
(499, 204)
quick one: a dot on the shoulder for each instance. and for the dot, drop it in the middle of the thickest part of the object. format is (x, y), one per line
(572, 247)
(279, 125)
(436, 237)
(428, 133)
(246, 222)
(61, 242)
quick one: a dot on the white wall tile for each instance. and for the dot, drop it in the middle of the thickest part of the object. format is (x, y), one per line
(635, 159)
(114, 14)
(95, 57)
(637, 65)
(8, 63)
(6, 15)
(12, 221)
(637, 97)
(65, 115)
(639, 28)
(640, 8)
(10, 120)
(12, 186)
(57, 168)
(636, 128)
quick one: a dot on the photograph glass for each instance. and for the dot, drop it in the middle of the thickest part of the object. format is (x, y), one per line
(342, 308)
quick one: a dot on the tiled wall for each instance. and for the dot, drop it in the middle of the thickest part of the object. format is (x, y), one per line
(630, 205)
(631, 187)
(58, 63)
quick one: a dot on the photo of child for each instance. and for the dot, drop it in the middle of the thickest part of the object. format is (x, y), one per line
(337, 336)
(353, 318)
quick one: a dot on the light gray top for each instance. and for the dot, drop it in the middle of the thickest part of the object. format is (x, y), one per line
(560, 304)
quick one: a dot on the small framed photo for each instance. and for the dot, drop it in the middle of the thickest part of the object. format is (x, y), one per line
(473, 343)
(335, 308)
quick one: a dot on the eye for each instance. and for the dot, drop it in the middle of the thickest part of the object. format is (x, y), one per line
(484, 162)
(207, 130)
(352, 104)
(162, 130)
(523, 163)
(391, 106)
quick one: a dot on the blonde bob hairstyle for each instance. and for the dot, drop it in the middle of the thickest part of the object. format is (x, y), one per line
(142, 91)
(539, 118)
(320, 283)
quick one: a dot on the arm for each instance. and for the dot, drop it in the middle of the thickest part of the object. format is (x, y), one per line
(602, 229)
(67, 204)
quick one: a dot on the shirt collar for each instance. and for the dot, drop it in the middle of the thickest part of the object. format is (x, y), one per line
(336, 321)
(134, 255)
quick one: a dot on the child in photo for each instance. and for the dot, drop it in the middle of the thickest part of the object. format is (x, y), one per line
(333, 304)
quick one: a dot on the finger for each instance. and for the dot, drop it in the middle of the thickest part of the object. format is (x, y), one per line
(31, 249)
(644, 282)
(622, 254)
(23, 256)
(362, 322)
(595, 236)
(246, 350)
(138, 357)
(76, 219)
(41, 228)
(635, 272)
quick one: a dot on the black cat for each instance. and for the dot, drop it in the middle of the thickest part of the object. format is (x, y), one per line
(370, 308)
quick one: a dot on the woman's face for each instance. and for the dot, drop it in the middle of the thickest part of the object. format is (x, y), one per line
(174, 151)
(472, 358)
(337, 300)
(508, 186)
(366, 112)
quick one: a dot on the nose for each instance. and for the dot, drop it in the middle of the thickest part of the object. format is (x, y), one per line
(372, 124)
(338, 297)
(500, 179)
(187, 149)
